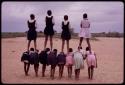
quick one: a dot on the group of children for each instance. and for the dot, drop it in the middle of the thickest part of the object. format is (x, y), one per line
(70, 59)
(65, 26)
(49, 56)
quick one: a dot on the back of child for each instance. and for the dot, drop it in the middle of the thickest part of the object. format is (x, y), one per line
(61, 58)
(69, 59)
(91, 60)
(52, 59)
(34, 58)
(25, 57)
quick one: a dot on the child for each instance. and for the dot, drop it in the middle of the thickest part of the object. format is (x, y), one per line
(32, 34)
(61, 60)
(48, 31)
(34, 59)
(66, 35)
(69, 62)
(25, 59)
(43, 60)
(85, 31)
(91, 62)
(52, 60)
(78, 62)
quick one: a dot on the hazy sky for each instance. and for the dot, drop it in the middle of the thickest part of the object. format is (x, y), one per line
(104, 16)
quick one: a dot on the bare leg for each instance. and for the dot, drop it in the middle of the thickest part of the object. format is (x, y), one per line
(89, 72)
(59, 71)
(80, 41)
(78, 73)
(43, 70)
(62, 67)
(63, 42)
(75, 73)
(25, 65)
(67, 45)
(36, 70)
(51, 42)
(29, 41)
(45, 42)
(27, 70)
(35, 45)
(88, 42)
(92, 70)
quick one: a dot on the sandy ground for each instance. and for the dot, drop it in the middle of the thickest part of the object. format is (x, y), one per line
(109, 53)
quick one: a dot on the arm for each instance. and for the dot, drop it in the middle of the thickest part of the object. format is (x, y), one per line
(53, 21)
(96, 59)
(81, 24)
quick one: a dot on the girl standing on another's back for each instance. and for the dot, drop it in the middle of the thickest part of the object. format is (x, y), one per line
(48, 31)
(66, 35)
(32, 34)
(85, 31)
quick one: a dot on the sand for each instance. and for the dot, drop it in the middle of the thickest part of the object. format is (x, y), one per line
(109, 54)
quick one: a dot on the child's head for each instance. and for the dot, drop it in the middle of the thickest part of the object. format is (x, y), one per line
(84, 15)
(70, 50)
(87, 48)
(55, 51)
(47, 49)
(32, 16)
(65, 17)
(49, 12)
(79, 47)
(31, 49)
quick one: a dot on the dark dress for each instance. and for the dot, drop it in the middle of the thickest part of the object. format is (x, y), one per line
(52, 59)
(49, 27)
(32, 34)
(61, 59)
(65, 32)
(43, 58)
(34, 58)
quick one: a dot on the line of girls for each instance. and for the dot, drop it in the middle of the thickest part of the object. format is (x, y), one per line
(70, 59)
(65, 35)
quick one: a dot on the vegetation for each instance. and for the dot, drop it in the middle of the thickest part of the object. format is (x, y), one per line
(58, 35)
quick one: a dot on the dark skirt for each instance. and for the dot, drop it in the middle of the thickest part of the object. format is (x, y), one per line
(66, 35)
(31, 35)
(49, 31)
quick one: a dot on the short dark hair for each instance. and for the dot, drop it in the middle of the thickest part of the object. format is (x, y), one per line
(84, 15)
(79, 47)
(87, 48)
(49, 12)
(32, 16)
(47, 49)
(31, 49)
(70, 50)
(55, 51)
(65, 17)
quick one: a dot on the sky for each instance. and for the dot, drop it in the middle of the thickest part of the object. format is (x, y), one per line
(105, 16)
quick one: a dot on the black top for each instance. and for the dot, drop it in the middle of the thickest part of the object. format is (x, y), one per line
(43, 57)
(49, 26)
(31, 25)
(52, 59)
(66, 35)
(61, 58)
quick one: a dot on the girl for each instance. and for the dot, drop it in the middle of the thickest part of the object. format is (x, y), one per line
(66, 35)
(69, 62)
(25, 58)
(52, 60)
(91, 62)
(48, 31)
(85, 31)
(34, 60)
(44, 60)
(78, 62)
(32, 34)
(61, 60)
